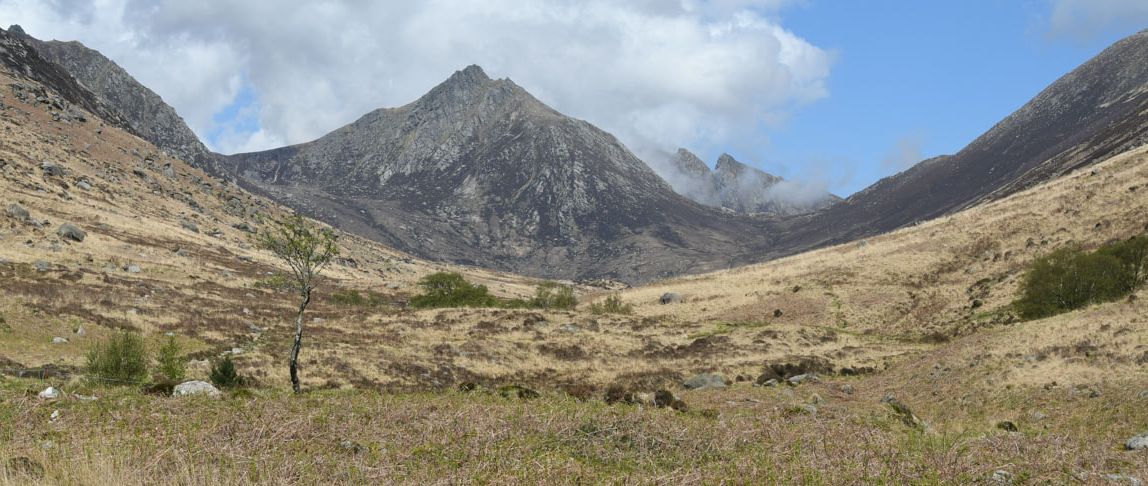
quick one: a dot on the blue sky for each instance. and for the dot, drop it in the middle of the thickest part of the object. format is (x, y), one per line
(922, 78)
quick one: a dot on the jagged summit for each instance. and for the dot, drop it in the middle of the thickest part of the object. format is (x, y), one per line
(479, 171)
(740, 188)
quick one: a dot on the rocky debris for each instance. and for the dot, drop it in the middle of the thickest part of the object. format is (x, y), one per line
(348, 445)
(671, 298)
(18, 212)
(50, 393)
(802, 365)
(705, 381)
(1137, 443)
(1123, 479)
(69, 231)
(195, 388)
(1001, 477)
(53, 169)
(903, 413)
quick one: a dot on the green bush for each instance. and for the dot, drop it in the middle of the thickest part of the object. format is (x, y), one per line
(171, 364)
(450, 289)
(278, 282)
(121, 360)
(612, 305)
(354, 298)
(551, 295)
(1071, 278)
(223, 374)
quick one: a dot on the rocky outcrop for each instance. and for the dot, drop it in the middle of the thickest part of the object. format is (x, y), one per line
(144, 112)
(741, 188)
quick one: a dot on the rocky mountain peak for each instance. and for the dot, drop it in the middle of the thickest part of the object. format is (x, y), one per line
(15, 29)
(689, 163)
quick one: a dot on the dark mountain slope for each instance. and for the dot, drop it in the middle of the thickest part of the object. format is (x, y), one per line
(1094, 112)
(479, 171)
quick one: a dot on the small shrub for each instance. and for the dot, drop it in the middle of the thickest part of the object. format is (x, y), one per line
(223, 374)
(551, 295)
(1071, 278)
(612, 305)
(171, 365)
(121, 360)
(450, 289)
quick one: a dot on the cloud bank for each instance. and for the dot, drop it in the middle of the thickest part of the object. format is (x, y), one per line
(258, 74)
(1083, 19)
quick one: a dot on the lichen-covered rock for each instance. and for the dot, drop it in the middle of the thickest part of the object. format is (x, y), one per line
(195, 388)
(69, 231)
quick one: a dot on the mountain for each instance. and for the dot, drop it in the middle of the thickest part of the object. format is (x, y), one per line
(143, 112)
(741, 188)
(478, 171)
(1098, 110)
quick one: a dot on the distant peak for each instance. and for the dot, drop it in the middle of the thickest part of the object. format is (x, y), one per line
(15, 29)
(727, 162)
(470, 76)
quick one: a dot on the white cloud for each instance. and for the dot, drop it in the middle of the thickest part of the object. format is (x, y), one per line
(1088, 18)
(657, 73)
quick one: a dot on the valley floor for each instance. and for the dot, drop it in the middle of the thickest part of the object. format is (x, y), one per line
(811, 434)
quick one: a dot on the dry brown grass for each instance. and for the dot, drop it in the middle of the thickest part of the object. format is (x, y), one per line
(925, 307)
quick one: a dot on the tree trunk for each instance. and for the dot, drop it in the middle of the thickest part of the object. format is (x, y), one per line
(298, 341)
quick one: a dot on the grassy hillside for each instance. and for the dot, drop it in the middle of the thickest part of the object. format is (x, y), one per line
(921, 314)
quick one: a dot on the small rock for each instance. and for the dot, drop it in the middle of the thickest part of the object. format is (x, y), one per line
(84, 185)
(393, 286)
(79, 331)
(59, 340)
(195, 388)
(49, 393)
(350, 446)
(847, 389)
(236, 350)
(69, 231)
(902, 411)
(55, 416)
(42, 266)
(53, 169)
(1137, 443)
(132, 268)
(569, 328)
(671, 298)
(1143, 395)
(1038, 416)
(777, 313)
(705, 381)
(770, 382)
(18, 212)
(1123, 479)
(253, 328)
(803, 378)
(180, 252)
(1000, 476)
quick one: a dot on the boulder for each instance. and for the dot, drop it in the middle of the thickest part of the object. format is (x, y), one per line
(705, 381)
(69, 231)
(1137, 443)
(671, 298)
(195, 388)
(803, 378)
(17, 211)
(53, 169)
